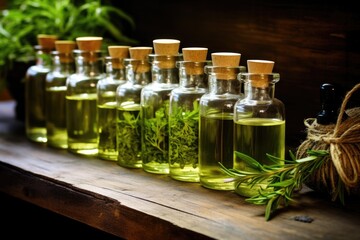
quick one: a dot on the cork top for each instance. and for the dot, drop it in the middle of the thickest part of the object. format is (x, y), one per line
(140, 53)
(226, 64)
(90, 44)
(260, 68)
(225, 59)
(193, 57)
(47, 41)
(166, 46)
(119, 51)
(65, 46)
(195, 54)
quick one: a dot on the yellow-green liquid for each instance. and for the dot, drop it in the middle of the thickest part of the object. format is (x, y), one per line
(216, 145)
(107, 131)
(82, 124)
(129, 135)
(35, 123)
(56, 117)
(256, 137)
(184, 146)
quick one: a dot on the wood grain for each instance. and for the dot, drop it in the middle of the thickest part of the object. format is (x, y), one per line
(133, 204)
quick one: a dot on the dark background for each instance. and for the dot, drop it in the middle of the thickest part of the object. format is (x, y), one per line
(311, 42)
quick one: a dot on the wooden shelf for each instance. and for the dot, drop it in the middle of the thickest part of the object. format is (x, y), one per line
(133, 204)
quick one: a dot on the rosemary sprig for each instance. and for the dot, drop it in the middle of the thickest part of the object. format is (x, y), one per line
(284, 178)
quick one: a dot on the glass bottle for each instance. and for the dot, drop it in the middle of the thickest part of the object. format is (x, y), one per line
(128, 129)
(259, 122)
(81, 98)
(35, 123)
(216, 120)
(63, 66)
(155, 100)
(106, 91)
(184, 116)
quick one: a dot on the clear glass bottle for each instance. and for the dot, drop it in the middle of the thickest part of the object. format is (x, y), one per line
(35, 122)
(128, 131)
(155, 100)
(184, 121)
(81, 102)
(62, 67)
(106, 90)
(216, 125)
(259, 125)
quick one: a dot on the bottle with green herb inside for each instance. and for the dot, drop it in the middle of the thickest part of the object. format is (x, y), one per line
(184, 115)
(155, 100)
(35, 121)
(259, 121)
(128, 128)
(216, 125)
(106, 91)
(55, 91)
(81, 97)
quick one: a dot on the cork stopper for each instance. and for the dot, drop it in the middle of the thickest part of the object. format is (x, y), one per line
(194, 54)
(140, 54)
(90, 44)
(260, 67)
(65, 48)
(166, 46)
(119, 52)
(227, 61)
(47, 41)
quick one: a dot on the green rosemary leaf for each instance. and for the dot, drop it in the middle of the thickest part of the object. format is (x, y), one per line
(283, 179)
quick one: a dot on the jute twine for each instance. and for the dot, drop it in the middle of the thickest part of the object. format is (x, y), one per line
(342, 140)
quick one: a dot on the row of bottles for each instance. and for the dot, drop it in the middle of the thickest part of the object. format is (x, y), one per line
(164, 112)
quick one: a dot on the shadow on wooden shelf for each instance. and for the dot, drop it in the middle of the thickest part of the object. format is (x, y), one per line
(23, 220)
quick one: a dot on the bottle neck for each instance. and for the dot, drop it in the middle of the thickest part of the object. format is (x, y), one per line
(259, 87)
(88, 63)
(223, 80)
(138, 72)
(43, 57)
(62, 63)
(191, 74)
(163, 68)
(114, 68)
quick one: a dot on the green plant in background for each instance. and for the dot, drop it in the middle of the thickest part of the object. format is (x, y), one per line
(183, 137)
(23, 20)
(284, 180)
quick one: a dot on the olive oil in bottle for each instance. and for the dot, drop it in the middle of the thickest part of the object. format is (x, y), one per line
(155, 98)
(184, 115)
(63, 66)
(35, 121)
(259, 122)
(128, 128)
(216, 120)
(106, 90)
(81, 97)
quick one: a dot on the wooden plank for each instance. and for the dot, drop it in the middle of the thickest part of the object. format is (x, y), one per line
(133, 204)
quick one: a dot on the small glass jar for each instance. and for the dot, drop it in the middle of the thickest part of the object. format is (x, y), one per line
(217, 126)
(63, 66)
(259, 125)
(81, 103)
(106, 90)
(35, 121)
(184, 121)
(155, 101)
(128, 130)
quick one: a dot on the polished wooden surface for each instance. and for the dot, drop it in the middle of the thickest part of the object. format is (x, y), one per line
(133, 204)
